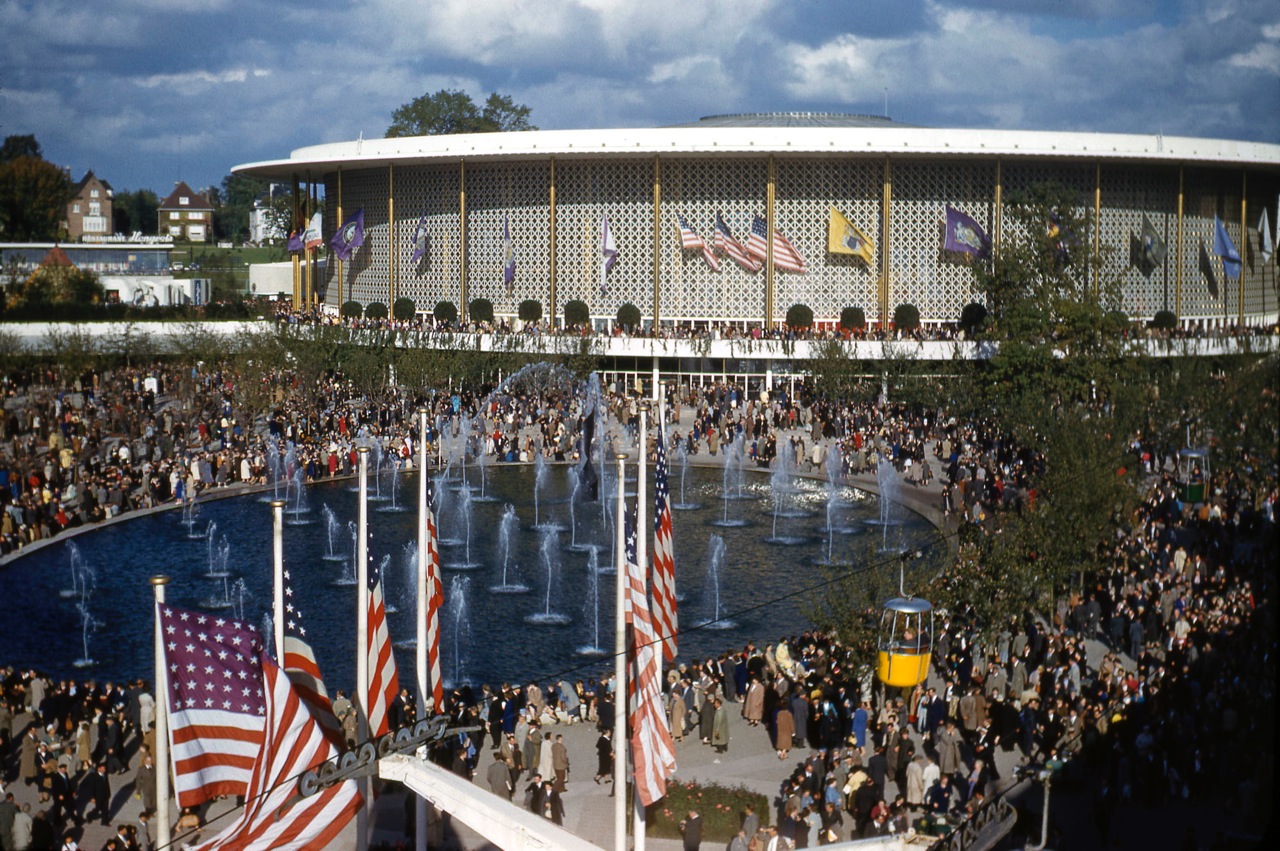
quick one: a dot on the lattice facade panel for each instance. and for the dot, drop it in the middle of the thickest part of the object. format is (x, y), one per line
(521, 192)
(920, 273)
(364, 274)
(1128, 194)
(586, 191)
(431, 192)
(698, 189)
(806, 190)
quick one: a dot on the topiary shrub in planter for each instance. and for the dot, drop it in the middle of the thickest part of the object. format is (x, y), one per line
(853, 319)
(375, 310)
(799, 316)
(445, 311)
(721, 808)
(576, 312)
(906, 317)
(1164, 320)
(1116, 321)
(628, 316)
(972, 317)
(403, 308)
(530, 310)
(482, 310)
(351, 310)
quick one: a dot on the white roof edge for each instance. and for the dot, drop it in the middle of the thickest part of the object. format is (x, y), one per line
(761, 141)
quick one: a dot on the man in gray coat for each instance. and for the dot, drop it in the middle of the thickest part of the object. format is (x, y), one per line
(499, 777)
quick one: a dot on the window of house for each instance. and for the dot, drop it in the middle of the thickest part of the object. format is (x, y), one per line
(95, 208)
(75, 208)
(174, 215)
(175, 230)
(195, 215)
(184, 200)
(93, 193)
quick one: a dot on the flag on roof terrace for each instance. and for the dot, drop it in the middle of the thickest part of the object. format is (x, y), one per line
(349, 237)
(1225, 249)
(312, 237)
(843, 237)
(785, 255)
(725, 241)
(964, 235)
(689, 238)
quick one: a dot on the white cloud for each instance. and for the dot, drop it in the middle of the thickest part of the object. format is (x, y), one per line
(1261, 57)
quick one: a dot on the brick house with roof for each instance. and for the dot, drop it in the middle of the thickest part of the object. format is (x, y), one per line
(89, 212)
(185, 214)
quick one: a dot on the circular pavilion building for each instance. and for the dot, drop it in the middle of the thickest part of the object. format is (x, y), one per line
(829, 211)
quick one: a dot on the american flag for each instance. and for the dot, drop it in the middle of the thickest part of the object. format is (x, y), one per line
(653, 753)
(725, 242)
(689, 238)
(294, 743)
(664, 562)
(215, 696)
(384, 682)
(303, 671)
(785, 255)
(435, 600)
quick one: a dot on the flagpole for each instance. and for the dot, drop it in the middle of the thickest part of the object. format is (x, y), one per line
(642, 554)
(163, 820)
(420, 659)
(362, 642)
(277, 570)
(620, 703)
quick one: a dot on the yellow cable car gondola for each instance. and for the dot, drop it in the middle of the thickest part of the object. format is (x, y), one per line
(906, 642)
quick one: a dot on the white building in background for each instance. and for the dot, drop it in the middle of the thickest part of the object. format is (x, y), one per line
(437, 211)
(263, 226)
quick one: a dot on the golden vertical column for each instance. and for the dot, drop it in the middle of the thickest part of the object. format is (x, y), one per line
(462, 238)
(297, 261)
(309, 284)
(885, 203)
(340, 264)
(998, 217)
(769, 198)
(1097, 229)
(551, 288)
(393, 256)
(1244, 243)
(657, 237)
(1177, 286)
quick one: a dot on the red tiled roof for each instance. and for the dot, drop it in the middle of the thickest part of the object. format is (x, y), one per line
(195, 201)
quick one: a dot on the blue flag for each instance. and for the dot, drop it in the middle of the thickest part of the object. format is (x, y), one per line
(1225, 249)
(349, 237)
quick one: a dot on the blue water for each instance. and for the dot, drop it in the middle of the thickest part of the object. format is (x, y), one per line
(43, 628)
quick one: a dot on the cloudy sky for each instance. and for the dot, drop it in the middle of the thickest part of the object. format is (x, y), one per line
(146, 92)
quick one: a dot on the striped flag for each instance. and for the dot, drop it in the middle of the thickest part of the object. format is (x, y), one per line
(785, 255)
(725, 242)
(689, 238)
(300, 666)
(384, 682)
(218, 718)
(653, 753)
(664, 562)
(435, 601)
(294, 743)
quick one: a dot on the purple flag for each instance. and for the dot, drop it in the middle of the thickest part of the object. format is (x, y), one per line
(964, 235)
(349, 237)
(295, 242)
(419, 241)
(508, 256)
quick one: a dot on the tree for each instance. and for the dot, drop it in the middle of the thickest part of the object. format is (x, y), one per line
(403, 308)
(1164, 320)
(375, 310)
(20, 146)
(628, 316)
(799, 316)
(482, 310)
(453, 111)
(906, 317)
(446, 312)
(52, 286)
(853, 319)
(576, 313)
(972, 317)
(234, 203)
(530, 310)
(351, 310)
(33, 199)
(135, 211)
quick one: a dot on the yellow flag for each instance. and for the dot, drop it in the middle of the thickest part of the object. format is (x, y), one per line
(844, 238)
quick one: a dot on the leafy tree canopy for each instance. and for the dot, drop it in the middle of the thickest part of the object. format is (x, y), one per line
(33, 192)
(576, 312)
(453, 111)
(799, 316)
(482, 310)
